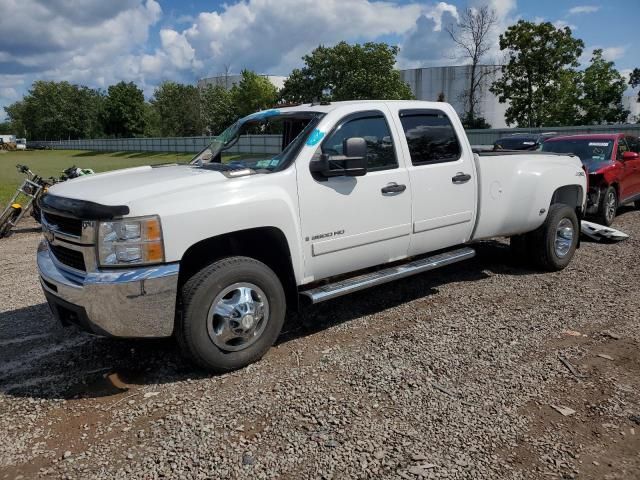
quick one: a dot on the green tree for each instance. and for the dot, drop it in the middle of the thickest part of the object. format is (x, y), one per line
(16, 115)
(6, 128)
(178, 108)
(565, 108)
(218, 108)
(53, 110)
(347, 72)
(123, 113)
(541, 60)
(603, 88)
(474, 122)
(252, 93)
(151, 121)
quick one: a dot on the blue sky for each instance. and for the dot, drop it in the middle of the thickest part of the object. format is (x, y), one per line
(100, 42)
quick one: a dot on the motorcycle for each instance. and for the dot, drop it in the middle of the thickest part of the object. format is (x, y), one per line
(32, 188)
(74, 172)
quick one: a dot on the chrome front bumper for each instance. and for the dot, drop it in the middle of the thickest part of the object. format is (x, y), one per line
(137, 302)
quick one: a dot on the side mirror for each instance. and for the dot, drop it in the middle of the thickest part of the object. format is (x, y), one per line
(352, 164)
(630, 156)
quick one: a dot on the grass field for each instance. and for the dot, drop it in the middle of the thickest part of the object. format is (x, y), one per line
(50, 163)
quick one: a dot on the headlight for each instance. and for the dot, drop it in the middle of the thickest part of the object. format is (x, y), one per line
(130, 241)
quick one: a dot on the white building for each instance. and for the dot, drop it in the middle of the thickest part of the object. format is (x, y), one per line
(453, 82)
(229, 81)
(631, 103)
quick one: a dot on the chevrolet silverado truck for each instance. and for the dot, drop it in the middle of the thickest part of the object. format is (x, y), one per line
(361, 193)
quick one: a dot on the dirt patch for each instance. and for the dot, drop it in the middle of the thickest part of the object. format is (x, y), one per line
(601, 439)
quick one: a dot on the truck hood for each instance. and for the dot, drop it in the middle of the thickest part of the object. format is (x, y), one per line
(124, 187)
(597, 166)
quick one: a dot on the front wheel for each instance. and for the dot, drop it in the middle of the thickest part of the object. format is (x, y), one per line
(554, 243)
(9, 218)
(608, 207)
(233, 311)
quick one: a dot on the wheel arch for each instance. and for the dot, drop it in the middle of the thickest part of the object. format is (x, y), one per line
(266, 244)
(572, 195)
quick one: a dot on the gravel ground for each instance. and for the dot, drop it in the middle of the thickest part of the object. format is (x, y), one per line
(450, 374)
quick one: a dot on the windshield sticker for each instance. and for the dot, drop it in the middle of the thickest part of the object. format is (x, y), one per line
(275, 162)
(598, 144)
(315, 138)
(263, 163)
(265, 114)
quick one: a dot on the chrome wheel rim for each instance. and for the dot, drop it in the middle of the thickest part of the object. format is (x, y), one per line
(610, 206)
(238, 316)
(564, 237)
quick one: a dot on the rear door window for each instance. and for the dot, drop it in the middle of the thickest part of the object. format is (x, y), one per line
(430, 136)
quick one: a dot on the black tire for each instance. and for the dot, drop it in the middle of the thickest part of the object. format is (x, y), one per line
(198, 295)
(7, 219)
(542, 242)
(606, 211)
(637, 204)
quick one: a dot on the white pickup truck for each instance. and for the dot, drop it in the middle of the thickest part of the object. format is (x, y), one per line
(214, 252)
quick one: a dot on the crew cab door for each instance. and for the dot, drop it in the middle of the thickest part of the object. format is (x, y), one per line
(350, 223)
(443, 178)
(632, 170)
(626, 179)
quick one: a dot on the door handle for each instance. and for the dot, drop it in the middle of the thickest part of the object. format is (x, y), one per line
(394, 188)
(461, 178)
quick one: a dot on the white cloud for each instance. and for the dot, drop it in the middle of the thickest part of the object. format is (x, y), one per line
(88, 43)
(610, 54)
(614, 53)
(8, 93)
(427, 44)
(437, 13)
(583, 9)
(562, 23)
(177, 47)
(272, 35)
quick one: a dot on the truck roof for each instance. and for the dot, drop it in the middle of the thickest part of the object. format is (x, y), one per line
(328, 107)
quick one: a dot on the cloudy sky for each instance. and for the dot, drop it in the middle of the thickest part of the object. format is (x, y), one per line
(100, 42)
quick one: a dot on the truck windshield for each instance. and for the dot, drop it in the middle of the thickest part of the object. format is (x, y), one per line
(589, 150)
(264, 141)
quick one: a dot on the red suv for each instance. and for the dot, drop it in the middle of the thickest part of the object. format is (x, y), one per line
(613, 164)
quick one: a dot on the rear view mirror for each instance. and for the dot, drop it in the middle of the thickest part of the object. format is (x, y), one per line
(352, 164)
(630, 156)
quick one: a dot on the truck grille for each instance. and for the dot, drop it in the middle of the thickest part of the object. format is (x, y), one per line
(70, 226)
(71, 258)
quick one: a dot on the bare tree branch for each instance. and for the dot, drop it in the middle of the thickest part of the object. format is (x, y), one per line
(472, 36)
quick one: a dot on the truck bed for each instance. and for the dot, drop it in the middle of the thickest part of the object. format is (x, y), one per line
(514, 188)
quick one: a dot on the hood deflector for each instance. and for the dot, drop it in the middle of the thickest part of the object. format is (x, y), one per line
(82, 209)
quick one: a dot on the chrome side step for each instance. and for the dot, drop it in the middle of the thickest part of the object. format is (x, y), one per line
(350, 285)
